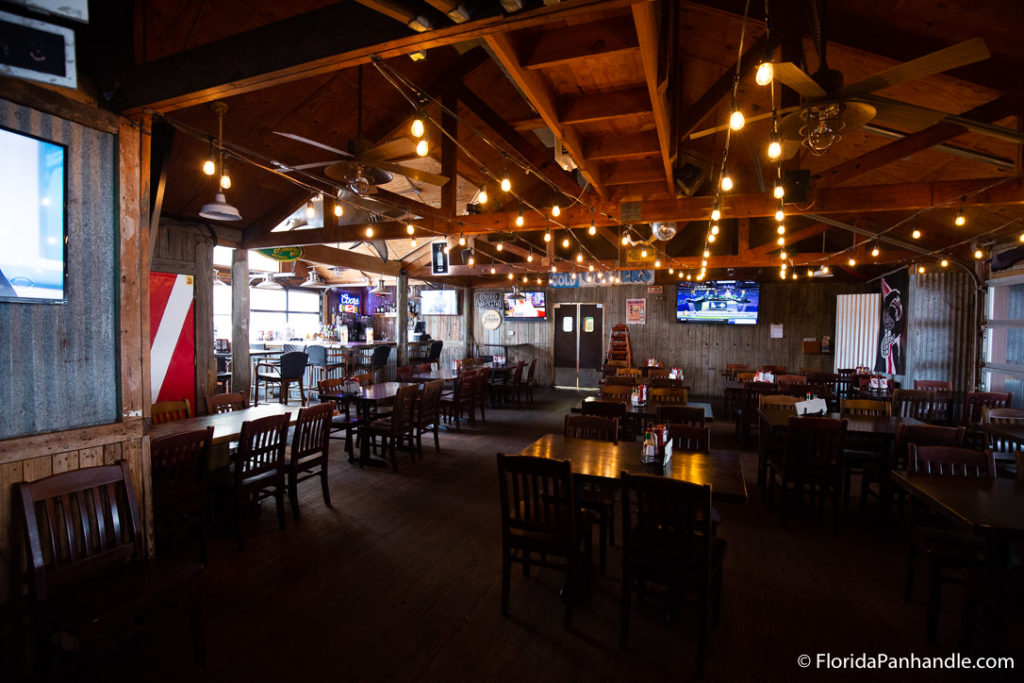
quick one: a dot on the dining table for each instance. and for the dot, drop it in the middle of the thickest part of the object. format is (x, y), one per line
(604, 460)
(647, 410)
(368, 401)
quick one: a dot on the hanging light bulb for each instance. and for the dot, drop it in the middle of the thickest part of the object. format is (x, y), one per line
(711, 237)
(781, 229)
(643, 253)
(784, 266)
(510, 276)
(412, 242)
(978, 254)
(506, 184)
(556, 210)
(592, 230)
(422, 148)
(526, 279)
(810, 272)
(418, 128)
(779, 192)
(310, 209)
(960, 220)
(462, 240)
(944, 263)
(369, 231)
(529, 257)
(547, 236)
(726, 180)
(875, 251)
(707, 253)
(209, 167)
(781, 240)
(554, 268)
(493, 271)
(591, 268)
(579, 257)
(471, 260)
(714, 229)
(794, 276)
(703, 263)
(916, 234)
(774, 148)
(225, 178)
(780, 215)
(410, 228)
(782, 274)
(339, 210)
(538, 281)
(481, 195)
(824, 269)
(657, 263)
(736, 119)
(519, 219)
(625, 239)
(501, 246)
(783, 255)
(920, 269)
(671, 270)
(852, 261)
(765, 72)
(716, 213)
(565, 243)
(447, 247)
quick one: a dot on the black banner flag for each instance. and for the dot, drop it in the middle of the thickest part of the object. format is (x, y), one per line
(891, 356)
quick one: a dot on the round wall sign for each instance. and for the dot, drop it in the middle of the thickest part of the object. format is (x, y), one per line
(490, 319)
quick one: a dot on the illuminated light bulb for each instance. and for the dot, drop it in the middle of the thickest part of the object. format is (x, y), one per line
(471, 261)
(369, 231)
(462, 240)
(506, 184)
(591, 268)
(671, 270)
(526, 279)
(643, 253)
(780, 241)
(716, 214)
(780, 215)
(547, 236)
(225, 181)
(592, 230)
(703, 263)
(493, 271)
(852, 262)
(736, 119)
(529, 257)
(875, 251)
(421, 148)
(625, 240)
(726, 182)
(538, 281)
(520, 220)
(783, 255)
(1021, 238)
(824, 269)
(688, 277)
(209, 168)
(711, 238)
(978, 254)
(944, 263)
(554, 269)
(810, 272)
(714, 229)
(920, 269)
(417, 128)
(916, 234)
(412, 242)
(774, 149)
(961, 219)
(510, 276)
(501, 246)
(794, 276)
(481, 196)
(782, 274)
(410, 228)
(657, 263)
(784, 266)
(556, 211)
(765, 72)
(781, 229)
(310, 210)
(447, 247)
(779, 192)
(579, 257)
(339, 211)
(707, 253)
(565, 243)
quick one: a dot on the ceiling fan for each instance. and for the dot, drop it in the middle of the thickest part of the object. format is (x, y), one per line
(363, 166)
(830, 108)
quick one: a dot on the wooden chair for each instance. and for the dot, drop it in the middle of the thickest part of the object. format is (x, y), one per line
(423, 368)
(791, 379)
(658, 396)
(365, 379)
(921, 435)
(665, 383)
(180, 470)
(395, 428)
(657, 373)
(1004, 450)
(620, 381)
(405, 373)
(933, 385)
(308, 455)
(926, 406)
(941, 554)
(292, 368)
(774, 369)
(481, 389)
(862, 407)
(629, 372)
(428, 414)
(462, 398)
(320, 367)
(612, 409)
(511, 389)
(993, 609)
(864, 452)
(750, 401)
(731, 369)
(1008, 416)
(170, 411)
(612, 392)
(778, 402)
(223, 384)
(89, 583)
(597, 498)
(689, 415)
(591, 427)
(259, 465)
(225, 403)
(813, 457)
(539, 520)
(975, 400)
(667, 539)
(687, 437)
(379, 357)
(345, 421)
(530, 380)
(745, 376)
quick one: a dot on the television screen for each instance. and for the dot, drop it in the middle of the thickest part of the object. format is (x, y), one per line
(525, 305)
(33, 233)
(733, 302)
(439, 302)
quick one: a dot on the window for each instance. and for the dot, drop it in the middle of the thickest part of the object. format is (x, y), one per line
(1004, 337)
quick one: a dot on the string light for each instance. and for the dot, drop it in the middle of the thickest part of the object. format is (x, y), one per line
(978, 254)
(565, 243)
(556, 210)
(643, 253)
(339, 210)
(736, 119)
(657, 263)
(783, 255)
(916, 234)
(225, 178)
(310, 209)
(779, 192)
(472, 260)
(780, 241)
(765, 72)
(579, 257)
(824, 269)
(592, 230)
(412, 242)
(422, 148)
(810, 272)
(418, 128)
(510, 276)
(707, 253)
(410, 228)
(780, 215)
(774, 148)
(625, 239)
(671, 270)
(961, 219)
(493, 271)
(591, 268)
(547, 236)
(711, 237)
(526, 278)
(481, 195)
(462, 240)
(944, 263)
(920, 269)
(714, 229)
(726, 181)
(852, 262)
(875, 251)
(209, 166)
(369, 231)
(501, 246)
(716, 213)
(781, 229)
(519, 219)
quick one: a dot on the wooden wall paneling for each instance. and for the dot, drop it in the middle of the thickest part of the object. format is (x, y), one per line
(65, 462)
(134, 292)
(109, 454)
(10, 474)
(241, 370)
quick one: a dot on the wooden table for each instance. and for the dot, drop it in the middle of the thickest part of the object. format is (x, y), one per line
(226, 426)
(647, 410)
(367, 401)
(605, 460)
(883, 426)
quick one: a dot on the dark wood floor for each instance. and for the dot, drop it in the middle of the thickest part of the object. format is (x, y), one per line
(401, 581)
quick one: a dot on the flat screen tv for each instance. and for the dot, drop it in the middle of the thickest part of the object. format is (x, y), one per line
(731, 302)
(33, 230)
(439, 302)
(525, 306)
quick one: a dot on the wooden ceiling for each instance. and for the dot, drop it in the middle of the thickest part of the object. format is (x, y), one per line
(622, 84)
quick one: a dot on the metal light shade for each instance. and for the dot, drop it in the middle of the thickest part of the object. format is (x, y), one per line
(380, 289)
(220, 210)
(269, 282)
(313, 280)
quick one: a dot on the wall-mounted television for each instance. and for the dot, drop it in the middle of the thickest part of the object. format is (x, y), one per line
(33, 230)
(732, 302)
(439, 302)
(525, 306)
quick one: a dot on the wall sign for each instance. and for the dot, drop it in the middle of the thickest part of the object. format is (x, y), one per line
(490, 319)
(282, 253)
(636, 311)
(37, 51)
(573, 280)
(489, 301)
(348, 303)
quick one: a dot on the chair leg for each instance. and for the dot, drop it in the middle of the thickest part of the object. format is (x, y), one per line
(391, 451)
(324, 488)
(506, 570)
(627, 596)
(437, 443)
(279, 499)
(293, 494)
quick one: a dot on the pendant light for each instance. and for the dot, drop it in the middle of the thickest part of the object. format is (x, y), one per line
(219, 209)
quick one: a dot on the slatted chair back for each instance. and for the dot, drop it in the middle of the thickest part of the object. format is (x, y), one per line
(591, 427)
(745, 376)
(435, 351)
(405, 373)
(923, 435)
(666, 526)
(927, 406)
(379, 359)
(610, 409)
(862, 407)
(429, 411)
(423, 367)
(530, 372)
(612, 392)
(689, 415)
(261, 447)
(365, 379)
(690, 438)
(778, 402)
(658, 396)
(312, 435)
(180, 463)
(170, 411)
(950, 461)
(1007, 416)
(517, 374)
(775, 369)
(334, 385)
(293, 364)
(628, 372)
(665, 383)
(843, 386)
(933, 385)
(225, 403)
(401, 414)
(814, 449)
(620, 380)
(78, 523)
(791, 379)
(975, 400)
(657, 373)
(537, 501)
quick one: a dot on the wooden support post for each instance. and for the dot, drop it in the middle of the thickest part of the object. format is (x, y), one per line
(467, 320)
(241, 375)
(402, 322)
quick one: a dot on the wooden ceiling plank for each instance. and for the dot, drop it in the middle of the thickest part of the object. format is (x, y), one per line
(390, 8)
(601, 106)
(648, 33)
(294, 198)
(621, 146)
(579, 42)
(539, 95)
(634, 172)
(326, 235)
(304, 46)
(791, 238)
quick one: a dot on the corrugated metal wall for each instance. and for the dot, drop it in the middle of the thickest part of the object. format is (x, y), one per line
(856, 337)
(59, 363)
(942, 329)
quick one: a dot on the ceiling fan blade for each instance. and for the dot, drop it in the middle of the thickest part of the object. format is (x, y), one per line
(299, 138)
(797, 79)
(303, 167)
(408, 172)
(961, 54)
(398, 148)
(917, 117)
(759, 117)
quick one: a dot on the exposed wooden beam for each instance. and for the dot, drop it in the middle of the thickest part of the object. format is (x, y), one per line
(621, 146)
(329, 256)
(645, 17)
(308, 45)
(326, 235)
(539, 95)
(579, 42)
(527, 125)
(791, 238)
(390, 8)
(638, 192)
(633, 172)
(449, 152)
(600, 106)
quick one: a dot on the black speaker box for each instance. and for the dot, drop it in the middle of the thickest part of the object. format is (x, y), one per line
(797, 185)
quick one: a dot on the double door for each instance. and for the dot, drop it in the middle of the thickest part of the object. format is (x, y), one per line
(578, 345)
